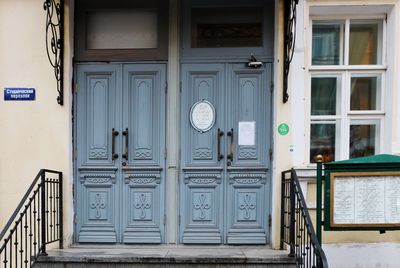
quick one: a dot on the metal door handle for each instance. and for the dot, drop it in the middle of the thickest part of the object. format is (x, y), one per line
(114, 134)
(126, 134)
(219, 135)
(231, 147)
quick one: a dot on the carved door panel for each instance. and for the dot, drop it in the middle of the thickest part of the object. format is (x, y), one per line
(202, 173)
(226, 199)
(143, 157)
(120, 157)
(97, 172)
(247, 187)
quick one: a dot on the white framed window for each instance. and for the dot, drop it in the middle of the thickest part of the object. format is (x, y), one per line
(347, 87)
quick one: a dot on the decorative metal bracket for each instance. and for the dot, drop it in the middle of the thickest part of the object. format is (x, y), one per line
(55, 42)
(290, 40)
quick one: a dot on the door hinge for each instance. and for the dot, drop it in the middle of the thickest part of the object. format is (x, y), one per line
(75, 218)
(166, 87)
(272, 86)
(271, 152)
(74, 88)
(269, 220)
(180, 86)
(179, 154)
(75, 153)
(179, 220)
(165, 219)
(165, 153)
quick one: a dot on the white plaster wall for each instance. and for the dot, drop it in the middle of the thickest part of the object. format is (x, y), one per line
(297, 91)
(34, 134)
(382, 255)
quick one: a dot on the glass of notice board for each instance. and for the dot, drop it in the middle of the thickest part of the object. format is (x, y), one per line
(365, 199)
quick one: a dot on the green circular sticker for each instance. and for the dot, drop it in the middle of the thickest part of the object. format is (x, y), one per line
(283, 129)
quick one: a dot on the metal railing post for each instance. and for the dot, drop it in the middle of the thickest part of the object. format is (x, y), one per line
(292, 216)
(299, 233)
(319, 199)
(43, 212)
(60, 202)
(283, 191)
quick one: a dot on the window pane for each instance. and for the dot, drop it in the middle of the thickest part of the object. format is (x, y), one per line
(119, 29)
(365, 93)
(363, 47)
(326, 44)
(363, 140)
(322, 141)
(323, 95)
(227, 27)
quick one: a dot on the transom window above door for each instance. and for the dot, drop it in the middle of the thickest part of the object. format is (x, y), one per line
(347, 88)
(224, 29)
(121, 30)
(227, 27)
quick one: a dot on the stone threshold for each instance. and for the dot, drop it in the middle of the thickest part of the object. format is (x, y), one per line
(183, 254)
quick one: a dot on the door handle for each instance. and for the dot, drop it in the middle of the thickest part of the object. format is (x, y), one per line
(126, 134)
(219, 135)
(114, 134)
(231, 147)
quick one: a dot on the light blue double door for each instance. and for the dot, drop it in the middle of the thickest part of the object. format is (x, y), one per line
(120, 141)
(225, 173)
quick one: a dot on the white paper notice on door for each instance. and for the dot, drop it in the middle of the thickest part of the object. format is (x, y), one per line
(247, 133)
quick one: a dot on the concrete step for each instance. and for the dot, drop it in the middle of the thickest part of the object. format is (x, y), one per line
(165, 257)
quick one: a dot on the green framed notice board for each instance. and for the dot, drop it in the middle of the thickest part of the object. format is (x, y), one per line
(362, 194)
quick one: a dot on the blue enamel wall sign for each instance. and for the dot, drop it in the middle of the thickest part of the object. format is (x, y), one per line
(17, 94)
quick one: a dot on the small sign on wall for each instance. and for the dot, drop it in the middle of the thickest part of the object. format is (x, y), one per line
(19, 94)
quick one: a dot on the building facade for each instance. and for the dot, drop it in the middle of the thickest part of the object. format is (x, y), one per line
(176, 123)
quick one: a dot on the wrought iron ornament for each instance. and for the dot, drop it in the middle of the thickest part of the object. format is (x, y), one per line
(290, 40)
(55, 42)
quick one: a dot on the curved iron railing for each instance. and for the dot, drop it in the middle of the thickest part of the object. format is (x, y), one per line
(297, 229)
(289, 42)
(36, 222)
(55, 42)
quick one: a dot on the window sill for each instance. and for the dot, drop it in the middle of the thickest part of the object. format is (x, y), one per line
(348, 68)
(366, 113)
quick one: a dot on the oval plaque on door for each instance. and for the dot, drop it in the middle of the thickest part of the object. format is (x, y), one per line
(202, 116)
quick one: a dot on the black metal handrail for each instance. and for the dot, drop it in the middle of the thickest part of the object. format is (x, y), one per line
(297, 229)
(35, 223)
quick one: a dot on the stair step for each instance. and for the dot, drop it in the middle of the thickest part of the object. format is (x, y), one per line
(166, 257)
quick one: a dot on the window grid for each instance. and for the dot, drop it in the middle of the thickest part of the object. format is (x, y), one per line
(345, 118)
